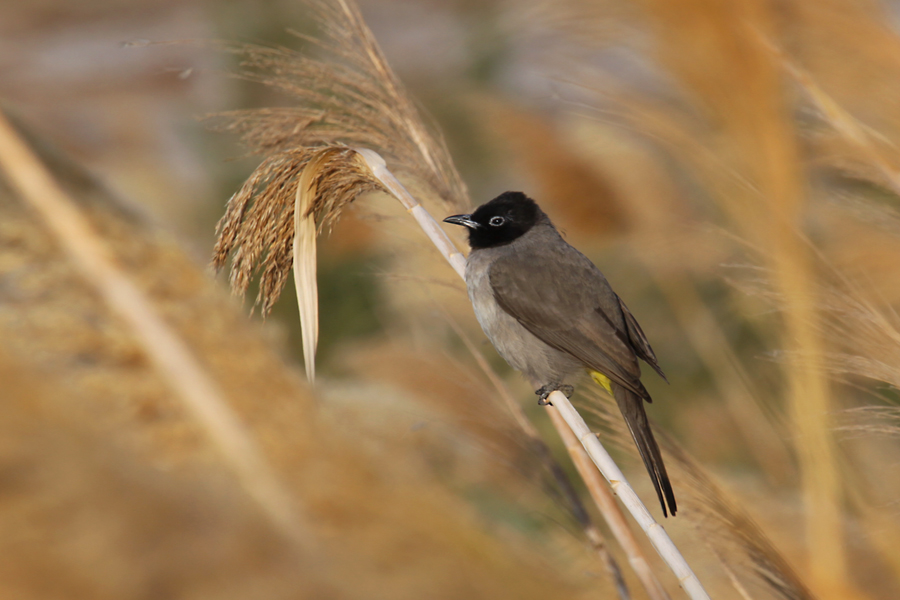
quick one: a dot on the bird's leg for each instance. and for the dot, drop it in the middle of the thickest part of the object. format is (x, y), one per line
(549, 388)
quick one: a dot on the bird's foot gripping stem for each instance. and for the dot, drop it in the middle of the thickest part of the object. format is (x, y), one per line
(548, 389)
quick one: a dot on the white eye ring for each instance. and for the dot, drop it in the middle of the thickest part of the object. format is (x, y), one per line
(497, 221)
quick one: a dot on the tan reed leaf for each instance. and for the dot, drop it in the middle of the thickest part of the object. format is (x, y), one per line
(865, 337)
(304, 258)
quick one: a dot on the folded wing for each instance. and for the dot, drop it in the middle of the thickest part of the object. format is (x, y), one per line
(565, 301)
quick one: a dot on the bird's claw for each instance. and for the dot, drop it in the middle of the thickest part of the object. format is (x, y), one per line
(544, 392)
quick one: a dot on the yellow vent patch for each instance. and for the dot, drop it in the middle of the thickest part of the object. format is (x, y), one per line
(603, 380)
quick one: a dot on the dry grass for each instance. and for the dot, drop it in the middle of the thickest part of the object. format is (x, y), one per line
(734, 133)
(114, 487)
(699, 136)
(356, 47)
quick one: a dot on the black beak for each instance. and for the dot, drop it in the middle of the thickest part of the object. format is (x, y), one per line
(464, 220)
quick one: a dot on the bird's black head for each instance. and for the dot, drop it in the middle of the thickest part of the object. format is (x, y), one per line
(500, 221)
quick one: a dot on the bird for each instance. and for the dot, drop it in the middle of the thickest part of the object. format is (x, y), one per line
(552, 315)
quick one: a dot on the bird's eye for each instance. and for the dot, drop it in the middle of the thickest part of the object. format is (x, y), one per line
(497, 221)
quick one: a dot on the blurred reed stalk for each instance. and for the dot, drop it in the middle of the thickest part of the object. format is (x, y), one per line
(198, 392)
(776, 169)
(870, 145)
(714, 49)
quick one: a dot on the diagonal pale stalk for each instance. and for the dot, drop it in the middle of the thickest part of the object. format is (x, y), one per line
(598, 454)
(168, 353)
(305, 262)
(605, 502)
(372, 161)
(655, 532)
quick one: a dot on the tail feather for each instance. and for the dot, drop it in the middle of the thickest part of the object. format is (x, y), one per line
(632, 407)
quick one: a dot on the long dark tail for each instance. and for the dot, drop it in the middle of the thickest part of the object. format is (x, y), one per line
(632, 407)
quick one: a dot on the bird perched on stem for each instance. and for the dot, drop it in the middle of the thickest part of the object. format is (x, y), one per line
(551, 314)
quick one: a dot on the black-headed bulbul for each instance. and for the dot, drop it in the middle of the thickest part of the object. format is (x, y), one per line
(551, 314)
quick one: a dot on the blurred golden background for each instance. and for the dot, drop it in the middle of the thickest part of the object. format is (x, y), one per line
(733, 169)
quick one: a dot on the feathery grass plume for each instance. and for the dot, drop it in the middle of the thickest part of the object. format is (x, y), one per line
(877, 420)
(871, 145)
(865, 337)
(345, 95)
(810, 307)
(349, 95)
(865, 331)
(258, 225)
(766, 152)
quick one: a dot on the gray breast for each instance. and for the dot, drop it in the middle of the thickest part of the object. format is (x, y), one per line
(518, 346)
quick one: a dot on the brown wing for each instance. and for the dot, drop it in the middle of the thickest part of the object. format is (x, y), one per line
(639, 340)
(565, 301)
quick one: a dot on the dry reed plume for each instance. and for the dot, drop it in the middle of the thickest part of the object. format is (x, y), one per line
(347, 97)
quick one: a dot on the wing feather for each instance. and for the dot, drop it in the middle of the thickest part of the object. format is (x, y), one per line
(639, 341)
